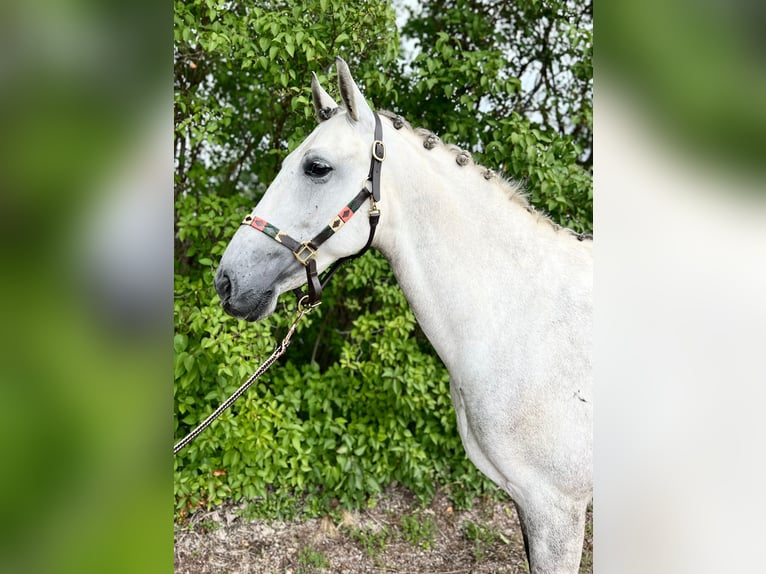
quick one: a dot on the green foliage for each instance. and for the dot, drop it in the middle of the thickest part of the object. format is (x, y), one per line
(360, 400)
(465, 84)
(373, 542)
(311, 560)
(242, 74)
(546, 164)
(478, 60)
(277, 506)
(419, 530)
(482, 537)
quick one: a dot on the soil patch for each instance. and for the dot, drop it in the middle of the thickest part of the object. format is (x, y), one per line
(397, 535)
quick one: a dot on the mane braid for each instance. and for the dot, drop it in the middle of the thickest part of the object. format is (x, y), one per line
(513, 189)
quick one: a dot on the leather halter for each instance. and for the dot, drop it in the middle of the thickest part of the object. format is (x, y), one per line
(306, 252)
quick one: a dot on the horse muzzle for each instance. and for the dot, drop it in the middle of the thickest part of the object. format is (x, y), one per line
(250, 304)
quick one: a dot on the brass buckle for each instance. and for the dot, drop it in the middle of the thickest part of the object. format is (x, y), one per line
(375, 150)
(305, 253)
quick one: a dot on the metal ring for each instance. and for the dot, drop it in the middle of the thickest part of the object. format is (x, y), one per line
(301, 309)
(308, 305)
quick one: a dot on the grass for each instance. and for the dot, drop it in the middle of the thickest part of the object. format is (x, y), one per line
(311, 560)
(483, 539)
(415, 529)
(209, 525)
(372, 542)
(276, 506)
(418, 530)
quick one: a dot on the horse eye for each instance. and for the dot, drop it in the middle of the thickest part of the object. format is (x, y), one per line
(317, 169)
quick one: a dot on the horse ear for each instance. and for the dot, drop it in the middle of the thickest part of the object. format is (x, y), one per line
(352, 97)
(323, 103)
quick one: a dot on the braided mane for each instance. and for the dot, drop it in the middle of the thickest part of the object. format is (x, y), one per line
(513, 189)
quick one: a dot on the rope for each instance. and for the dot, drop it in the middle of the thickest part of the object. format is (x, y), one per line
(278, 352)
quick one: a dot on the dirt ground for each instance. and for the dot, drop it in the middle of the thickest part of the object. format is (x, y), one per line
(397, 535)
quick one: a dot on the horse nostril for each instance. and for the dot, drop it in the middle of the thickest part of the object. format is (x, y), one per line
(222, 285)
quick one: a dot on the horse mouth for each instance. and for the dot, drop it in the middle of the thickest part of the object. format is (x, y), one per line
(251, 306)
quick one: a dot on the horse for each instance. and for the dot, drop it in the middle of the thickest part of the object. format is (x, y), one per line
(503, 294)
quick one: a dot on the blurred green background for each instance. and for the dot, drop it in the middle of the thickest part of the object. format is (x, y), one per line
(86, 290)
(697, 70)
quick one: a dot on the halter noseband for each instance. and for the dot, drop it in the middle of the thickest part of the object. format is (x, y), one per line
(305, 252)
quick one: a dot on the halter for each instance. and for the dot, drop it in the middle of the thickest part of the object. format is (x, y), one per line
(306, 252)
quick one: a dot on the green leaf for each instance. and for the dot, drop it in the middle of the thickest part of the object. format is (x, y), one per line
(179, 342)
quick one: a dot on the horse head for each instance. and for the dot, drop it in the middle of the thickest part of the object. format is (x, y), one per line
(270, 252)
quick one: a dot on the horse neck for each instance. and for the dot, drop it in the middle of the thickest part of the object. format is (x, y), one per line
(465, 255)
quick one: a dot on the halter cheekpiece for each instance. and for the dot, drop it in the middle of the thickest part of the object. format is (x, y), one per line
(306, 251)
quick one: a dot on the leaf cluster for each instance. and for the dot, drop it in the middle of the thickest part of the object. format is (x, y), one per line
(512, 83)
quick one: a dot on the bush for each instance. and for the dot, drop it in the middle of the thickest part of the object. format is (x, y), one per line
(360, 399)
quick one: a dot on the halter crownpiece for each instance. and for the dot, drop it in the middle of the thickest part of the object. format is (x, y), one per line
(306, 251)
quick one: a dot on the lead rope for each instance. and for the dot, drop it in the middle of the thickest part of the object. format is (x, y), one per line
(278, 352)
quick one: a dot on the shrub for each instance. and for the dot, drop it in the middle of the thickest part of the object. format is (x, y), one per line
(360, 400)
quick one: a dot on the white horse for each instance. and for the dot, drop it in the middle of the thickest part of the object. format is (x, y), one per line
(504, 296)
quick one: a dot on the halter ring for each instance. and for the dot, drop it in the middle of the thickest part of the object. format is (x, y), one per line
(305, 306)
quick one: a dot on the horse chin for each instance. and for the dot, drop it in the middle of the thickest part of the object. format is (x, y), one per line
(252, 306)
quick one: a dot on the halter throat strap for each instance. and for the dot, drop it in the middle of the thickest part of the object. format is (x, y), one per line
(306, 252)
